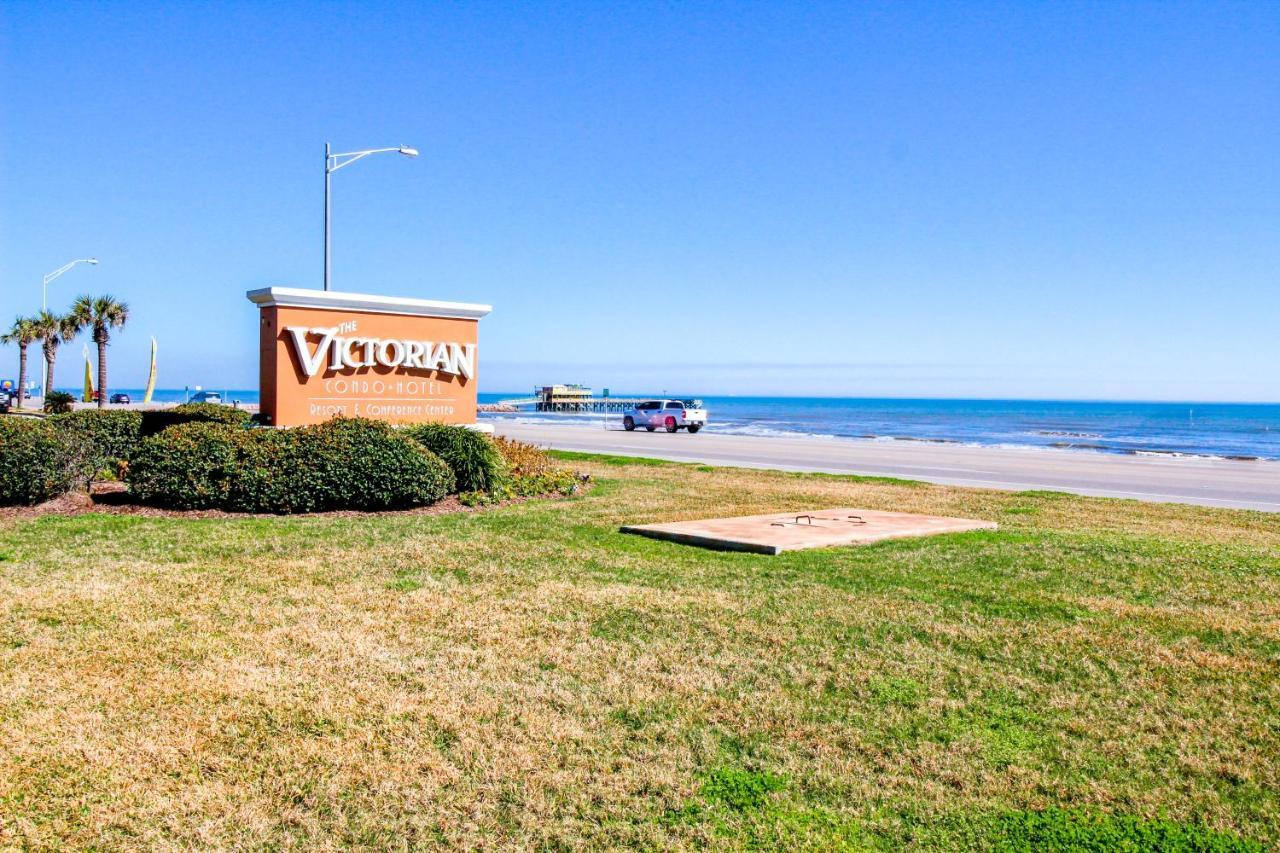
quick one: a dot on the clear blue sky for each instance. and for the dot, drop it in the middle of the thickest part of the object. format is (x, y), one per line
(1021, 199)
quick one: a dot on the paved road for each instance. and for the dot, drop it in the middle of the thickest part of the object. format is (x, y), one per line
(1209, 482)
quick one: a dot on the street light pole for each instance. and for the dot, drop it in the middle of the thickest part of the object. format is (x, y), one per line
(334, 162)
(44, 307)
(327, 173)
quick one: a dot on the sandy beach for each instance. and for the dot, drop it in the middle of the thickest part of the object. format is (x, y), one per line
(1206, 482)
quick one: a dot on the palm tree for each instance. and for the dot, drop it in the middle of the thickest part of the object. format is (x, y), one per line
(101, 314)
(23, 334)
(53, 329)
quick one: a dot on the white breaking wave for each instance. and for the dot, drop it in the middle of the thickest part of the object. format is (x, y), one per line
(572, 419)
(764, 431)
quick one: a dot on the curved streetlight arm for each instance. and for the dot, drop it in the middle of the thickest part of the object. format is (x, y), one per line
(334, 162)
(44, 296)
(60, 270)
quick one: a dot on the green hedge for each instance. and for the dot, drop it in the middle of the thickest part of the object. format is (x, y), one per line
(38, 462)
(112, 434)
(340, 464)
(157, 420)
(115, 433)
(476, 463)
(369, 465)
(190, 466)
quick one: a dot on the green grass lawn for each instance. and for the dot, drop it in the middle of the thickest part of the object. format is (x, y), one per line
(1096, 672)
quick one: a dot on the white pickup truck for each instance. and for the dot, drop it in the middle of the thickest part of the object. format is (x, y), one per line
(671, 415)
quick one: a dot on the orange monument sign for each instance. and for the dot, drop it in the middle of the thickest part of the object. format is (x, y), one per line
(323, 354)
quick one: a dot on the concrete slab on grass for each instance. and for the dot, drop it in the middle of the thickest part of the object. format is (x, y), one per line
(794, 531)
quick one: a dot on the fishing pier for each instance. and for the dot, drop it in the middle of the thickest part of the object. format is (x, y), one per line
(572, 398)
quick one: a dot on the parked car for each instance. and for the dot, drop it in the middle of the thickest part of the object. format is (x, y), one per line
(5, 403)
(206, 397)
(120, 398)
(671, 415)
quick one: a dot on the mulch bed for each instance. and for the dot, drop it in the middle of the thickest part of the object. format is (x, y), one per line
(114, 499)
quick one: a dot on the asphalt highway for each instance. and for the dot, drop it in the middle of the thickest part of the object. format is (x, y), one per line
(1207, 482)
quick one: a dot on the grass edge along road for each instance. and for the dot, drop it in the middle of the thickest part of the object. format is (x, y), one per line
(1096, 671)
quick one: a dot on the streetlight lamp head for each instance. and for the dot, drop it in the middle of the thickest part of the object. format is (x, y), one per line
(92, 261)
(408, 152)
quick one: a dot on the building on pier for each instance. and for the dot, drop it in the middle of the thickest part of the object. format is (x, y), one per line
(562, 395)
(572, 398)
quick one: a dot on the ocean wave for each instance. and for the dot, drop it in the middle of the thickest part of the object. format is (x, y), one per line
(1184, 454)
(548, 419)
(1063, 433)
(764, 431)
(1078, 445)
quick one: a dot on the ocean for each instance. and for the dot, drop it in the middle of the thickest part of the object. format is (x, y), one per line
(1227, 430)
(176, 395)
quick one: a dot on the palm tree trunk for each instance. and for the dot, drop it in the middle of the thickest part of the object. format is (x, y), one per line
(22, 374)
(102, 373)
(50, 357)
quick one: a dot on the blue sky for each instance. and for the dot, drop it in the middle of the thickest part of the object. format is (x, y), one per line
(906, 199)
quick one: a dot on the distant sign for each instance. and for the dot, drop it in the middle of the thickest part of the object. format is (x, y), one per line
(8, 385)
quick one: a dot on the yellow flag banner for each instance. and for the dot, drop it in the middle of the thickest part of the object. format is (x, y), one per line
(151, 380)
(88, 378)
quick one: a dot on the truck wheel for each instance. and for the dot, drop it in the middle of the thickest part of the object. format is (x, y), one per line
(628, 423)
(671, 425)
(693, 428)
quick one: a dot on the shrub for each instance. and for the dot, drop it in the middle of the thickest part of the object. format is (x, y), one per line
(341, 464)
(215, 412)
(533, 473)
(38, 462)
(157, 420)
(190, 466)
(111, 435)
(557, 481)
(476, 463)
(523, 459)
(272, 473)
(533, 470)
(554, 481)
(57, 402)
(370, 465)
